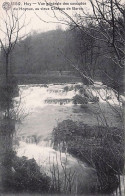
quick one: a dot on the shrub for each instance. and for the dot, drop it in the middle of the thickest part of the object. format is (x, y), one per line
(78, 99)
(100, 146)
(26, 177)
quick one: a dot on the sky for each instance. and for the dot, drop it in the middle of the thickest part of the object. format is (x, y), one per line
(37, 16)
(35, 12)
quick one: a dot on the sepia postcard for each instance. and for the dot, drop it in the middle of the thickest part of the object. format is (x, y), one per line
(62, 97)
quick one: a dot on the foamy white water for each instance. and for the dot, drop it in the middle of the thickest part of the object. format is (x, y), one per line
(43, 117)
(65, 166)
(33, 96)
(47, 156)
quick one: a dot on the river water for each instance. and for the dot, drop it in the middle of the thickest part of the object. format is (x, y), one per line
(40, 108)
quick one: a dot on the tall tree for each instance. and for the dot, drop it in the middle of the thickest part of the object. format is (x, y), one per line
(10, 29)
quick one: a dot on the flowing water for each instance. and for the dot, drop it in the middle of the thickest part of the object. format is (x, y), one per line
(40, 108)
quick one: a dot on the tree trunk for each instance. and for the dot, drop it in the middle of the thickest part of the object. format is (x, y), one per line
(7, 67)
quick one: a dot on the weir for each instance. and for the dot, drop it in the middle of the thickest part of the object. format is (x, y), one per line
(45, 107)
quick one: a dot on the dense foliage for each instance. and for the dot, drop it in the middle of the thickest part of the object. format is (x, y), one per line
(98, 146)
(60, 50)
(49, 51)
(25, 175)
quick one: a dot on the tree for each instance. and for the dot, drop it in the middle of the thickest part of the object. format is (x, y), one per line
(86, 51)
(108, 24)
(10, 28)
(110, 17)
(106, 20)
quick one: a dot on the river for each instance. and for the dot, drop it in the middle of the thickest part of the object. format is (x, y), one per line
(40, 108)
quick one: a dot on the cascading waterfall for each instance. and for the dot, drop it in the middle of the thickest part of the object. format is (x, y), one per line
(45, 106)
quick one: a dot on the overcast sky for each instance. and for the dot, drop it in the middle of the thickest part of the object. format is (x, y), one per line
(34, 22)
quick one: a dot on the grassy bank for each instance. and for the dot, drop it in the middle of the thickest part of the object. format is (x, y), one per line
(46, 79)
